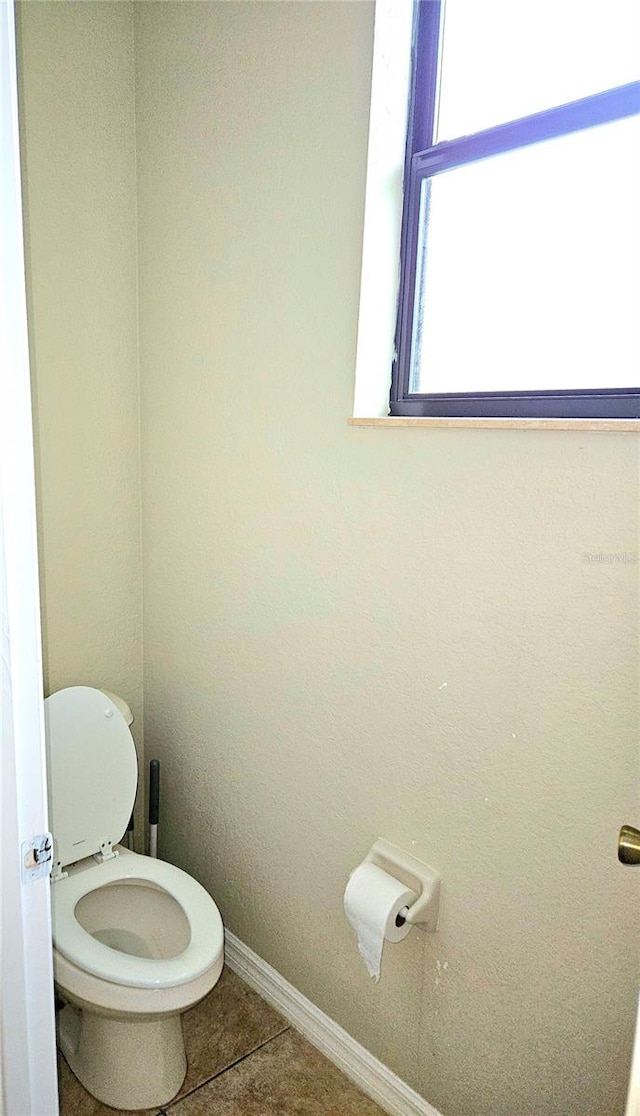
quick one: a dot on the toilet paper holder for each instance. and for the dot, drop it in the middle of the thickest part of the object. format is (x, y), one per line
(422, 879)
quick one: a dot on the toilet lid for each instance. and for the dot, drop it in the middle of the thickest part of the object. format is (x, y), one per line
(93, 771)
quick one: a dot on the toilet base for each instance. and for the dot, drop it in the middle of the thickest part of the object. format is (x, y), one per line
(125, 1062)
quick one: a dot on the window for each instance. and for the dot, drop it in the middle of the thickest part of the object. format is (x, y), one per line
(520, 257)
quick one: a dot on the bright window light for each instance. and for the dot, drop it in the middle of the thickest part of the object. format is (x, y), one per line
(529, 268)
(504, 59)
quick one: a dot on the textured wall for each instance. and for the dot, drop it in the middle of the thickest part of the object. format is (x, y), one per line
(360, 632)
(77, 115)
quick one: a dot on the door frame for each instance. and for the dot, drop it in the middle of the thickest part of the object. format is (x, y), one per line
(28, 1075)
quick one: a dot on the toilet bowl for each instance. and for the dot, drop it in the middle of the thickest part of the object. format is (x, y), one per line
(136, 941)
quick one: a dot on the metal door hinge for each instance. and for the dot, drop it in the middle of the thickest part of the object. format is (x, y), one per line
(36, 856)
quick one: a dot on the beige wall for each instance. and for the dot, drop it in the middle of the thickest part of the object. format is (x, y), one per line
(347, 632)
(77, 113)
(310, 589)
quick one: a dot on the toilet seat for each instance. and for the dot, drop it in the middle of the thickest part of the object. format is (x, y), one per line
(81, 948)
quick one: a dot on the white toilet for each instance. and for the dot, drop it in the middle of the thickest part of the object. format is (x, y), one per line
(136, 941)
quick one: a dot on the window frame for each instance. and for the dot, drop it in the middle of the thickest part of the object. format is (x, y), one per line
(425, 159)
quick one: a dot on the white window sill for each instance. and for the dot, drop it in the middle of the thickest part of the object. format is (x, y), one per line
(628, 426)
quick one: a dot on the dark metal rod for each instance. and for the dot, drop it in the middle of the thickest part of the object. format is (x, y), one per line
(154, 805)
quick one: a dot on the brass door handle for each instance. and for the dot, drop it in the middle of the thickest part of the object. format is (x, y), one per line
(629, 845)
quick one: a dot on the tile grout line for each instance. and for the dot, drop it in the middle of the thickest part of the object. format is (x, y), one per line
(173, 1105)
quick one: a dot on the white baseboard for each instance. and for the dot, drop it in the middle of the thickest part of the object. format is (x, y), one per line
(370, 1075)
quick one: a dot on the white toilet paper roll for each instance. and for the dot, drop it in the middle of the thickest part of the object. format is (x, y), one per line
(372, 901)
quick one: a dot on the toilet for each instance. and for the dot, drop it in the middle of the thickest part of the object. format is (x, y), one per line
(136, 941)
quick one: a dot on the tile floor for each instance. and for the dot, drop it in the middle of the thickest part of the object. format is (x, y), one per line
(243, 1060)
